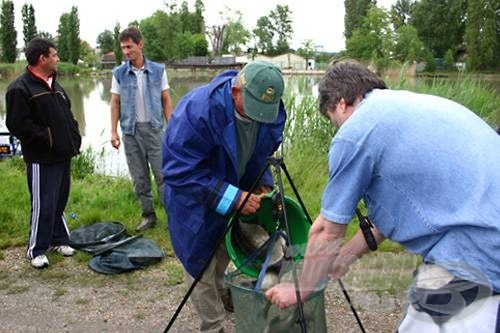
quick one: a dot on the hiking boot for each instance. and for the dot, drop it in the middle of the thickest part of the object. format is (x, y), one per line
(40, 261)
(65, 250)
(146, 223)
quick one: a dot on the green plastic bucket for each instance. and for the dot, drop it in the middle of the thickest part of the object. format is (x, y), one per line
(299, 230)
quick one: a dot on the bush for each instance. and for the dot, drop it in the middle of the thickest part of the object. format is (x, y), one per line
(67, 68)
(83, 164)
(448, 61)
(7, 70)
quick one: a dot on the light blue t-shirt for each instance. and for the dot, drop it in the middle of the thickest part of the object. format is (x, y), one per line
(429, 172)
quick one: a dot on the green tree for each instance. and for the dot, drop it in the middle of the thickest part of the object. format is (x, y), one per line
(74, 36)
(63, 36)
(198, 19)
(401, 12)
(8, 33)
(175, 33)
(200, 45)
(307, 51)
(192, 22)
(282, 23)
(88, 54)
(188, 44)
(481, 34)
(105, 41)
(185, 17)
(355, 12)
(449, 62)
(161, 43)
(116, 44)
(46, 35)
(430, 62)
(408, 47)
(29, 25)
(264, 34)
(184, 45)
(235, 34)
(154, 42)
(274, 31)
(440, 24)
(373, 39)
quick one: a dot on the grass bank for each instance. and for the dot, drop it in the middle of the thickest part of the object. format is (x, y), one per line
(93, 198)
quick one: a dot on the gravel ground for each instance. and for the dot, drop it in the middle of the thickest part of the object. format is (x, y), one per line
(69, 297)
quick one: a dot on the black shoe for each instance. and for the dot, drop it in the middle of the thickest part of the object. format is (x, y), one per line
(146, 223)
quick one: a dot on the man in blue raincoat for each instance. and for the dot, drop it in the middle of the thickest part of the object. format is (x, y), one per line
(216, 144)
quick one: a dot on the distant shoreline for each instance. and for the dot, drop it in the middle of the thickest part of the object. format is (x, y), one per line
(303, 71)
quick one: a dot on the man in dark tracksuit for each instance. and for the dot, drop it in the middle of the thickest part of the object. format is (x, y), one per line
(39, 114)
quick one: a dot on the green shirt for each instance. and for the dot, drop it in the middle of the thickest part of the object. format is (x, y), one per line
(246, 136)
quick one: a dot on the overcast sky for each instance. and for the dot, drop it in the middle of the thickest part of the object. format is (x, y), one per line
(319, 20)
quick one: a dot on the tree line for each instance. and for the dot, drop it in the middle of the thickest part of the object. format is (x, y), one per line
(176, 33)
(411, 30)
(170, 34)
(70, 48)
(424, 30)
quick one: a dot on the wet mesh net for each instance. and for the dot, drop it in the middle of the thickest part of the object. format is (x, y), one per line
(253, 313)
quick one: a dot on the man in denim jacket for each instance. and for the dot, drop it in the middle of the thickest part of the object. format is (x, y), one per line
(140, 101)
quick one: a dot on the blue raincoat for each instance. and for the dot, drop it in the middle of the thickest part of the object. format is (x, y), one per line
(200, 168)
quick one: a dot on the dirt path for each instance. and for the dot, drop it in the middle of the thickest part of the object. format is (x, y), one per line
(69, 297)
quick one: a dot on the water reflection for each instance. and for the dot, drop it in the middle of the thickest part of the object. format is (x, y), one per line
(90, 105)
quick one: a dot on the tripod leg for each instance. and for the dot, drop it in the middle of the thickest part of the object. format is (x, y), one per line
(221, 239)
(300, 307)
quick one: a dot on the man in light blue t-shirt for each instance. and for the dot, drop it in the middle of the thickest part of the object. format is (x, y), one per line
(428, 170)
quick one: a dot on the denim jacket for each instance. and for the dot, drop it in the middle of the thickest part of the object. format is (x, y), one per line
(152, 94)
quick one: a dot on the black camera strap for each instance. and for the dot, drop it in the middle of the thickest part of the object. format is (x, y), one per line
(366, 225)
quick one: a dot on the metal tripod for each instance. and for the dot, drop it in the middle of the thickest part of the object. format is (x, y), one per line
(278, 164)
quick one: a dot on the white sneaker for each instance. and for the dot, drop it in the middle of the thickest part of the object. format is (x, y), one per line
(65, 250)
(40, 261)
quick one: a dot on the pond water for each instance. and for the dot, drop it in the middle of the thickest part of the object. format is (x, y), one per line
(90, 104)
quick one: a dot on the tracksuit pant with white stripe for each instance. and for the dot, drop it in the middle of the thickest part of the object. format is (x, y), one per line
(49, 190)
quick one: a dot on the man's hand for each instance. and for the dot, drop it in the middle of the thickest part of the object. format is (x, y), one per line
(282, 295)
(263, 189)
(115, 140)
(252, 204)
